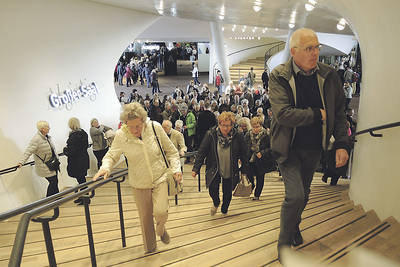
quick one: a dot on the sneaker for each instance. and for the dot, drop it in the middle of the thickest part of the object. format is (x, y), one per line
(256, 198)
(213, 210)
(324, 179)
(165, 238)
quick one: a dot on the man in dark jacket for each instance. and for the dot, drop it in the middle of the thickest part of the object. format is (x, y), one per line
(307, 101)
(205, 121)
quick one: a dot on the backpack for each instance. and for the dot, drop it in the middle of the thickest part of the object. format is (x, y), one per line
(354, 77)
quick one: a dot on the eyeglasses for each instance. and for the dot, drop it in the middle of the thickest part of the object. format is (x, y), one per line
(225, 126)
(137, 127)
(310, 49)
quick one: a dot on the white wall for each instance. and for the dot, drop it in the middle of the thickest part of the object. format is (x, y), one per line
(45, 43)
(375, 181)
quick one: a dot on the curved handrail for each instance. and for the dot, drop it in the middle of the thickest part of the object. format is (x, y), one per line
(248, 48)
(266, 56)
(371, 130)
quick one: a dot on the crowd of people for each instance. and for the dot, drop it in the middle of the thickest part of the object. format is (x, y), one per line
(235, 133)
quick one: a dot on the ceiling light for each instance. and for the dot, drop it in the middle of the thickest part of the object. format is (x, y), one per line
(221, 17)
(256, 8)
(160, 11)
(291, 25)
(310, 5)
(341, 25)
(259, 38)
(243, 29)
(223, 28)
(254, 30)
(276, 29)
(233, 29)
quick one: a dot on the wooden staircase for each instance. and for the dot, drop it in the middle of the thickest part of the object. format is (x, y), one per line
(238, 70)
(331, 226)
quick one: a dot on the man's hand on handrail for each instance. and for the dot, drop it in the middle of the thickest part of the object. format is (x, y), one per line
(100, 173)
(19, 165)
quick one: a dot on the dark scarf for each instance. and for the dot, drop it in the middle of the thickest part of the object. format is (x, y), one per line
(255, 143)
(225, 141)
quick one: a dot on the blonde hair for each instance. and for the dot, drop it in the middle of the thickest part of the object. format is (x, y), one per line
(41, 124)
(255, 120)
(132, 111)
(227, 116)
(92, 121)
(74, 123)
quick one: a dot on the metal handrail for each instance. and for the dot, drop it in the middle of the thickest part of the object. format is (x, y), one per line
(19, 242)
(267, 56)
(377, 128)
(248, 48)
(14, 168)
(14, 212)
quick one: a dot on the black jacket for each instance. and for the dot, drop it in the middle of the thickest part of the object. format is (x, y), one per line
(76, 151)
(208, 151)
(266, 163)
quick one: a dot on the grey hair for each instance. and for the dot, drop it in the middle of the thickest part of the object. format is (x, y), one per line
(295, 38)
(74, 124)
(41, 124)
(179, 123)
(133, 111)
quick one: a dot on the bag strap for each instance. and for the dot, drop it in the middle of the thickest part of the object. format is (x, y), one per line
(52, 152)
(159, 145)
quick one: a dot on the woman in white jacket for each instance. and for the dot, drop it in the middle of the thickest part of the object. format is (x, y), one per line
(43, 150)
(147, 170)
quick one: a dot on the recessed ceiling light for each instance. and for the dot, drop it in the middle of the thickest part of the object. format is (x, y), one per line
(256, 8)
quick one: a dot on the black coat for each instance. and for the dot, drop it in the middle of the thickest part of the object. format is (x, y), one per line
(208, 151)
(76, 151)
(266, 163)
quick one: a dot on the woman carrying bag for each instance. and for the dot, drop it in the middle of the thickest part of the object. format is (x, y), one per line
(46, 159)
(147, 170)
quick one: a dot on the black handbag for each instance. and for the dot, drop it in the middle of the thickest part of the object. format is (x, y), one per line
(53, 164)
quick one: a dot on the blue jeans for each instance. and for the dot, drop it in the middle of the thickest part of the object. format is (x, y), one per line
(297, 173)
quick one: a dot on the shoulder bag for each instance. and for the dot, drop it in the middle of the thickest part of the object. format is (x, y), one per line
(173, 187)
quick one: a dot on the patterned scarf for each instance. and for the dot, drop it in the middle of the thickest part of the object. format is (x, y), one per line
(225, 141)
(255, 143)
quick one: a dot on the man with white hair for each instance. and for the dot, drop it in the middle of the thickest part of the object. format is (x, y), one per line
(176, 138)
(307, 101)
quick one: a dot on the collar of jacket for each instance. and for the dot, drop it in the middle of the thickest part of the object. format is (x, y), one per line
(287, 72)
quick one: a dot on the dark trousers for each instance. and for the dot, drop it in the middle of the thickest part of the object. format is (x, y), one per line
(99, 156)
(226, 192)
(253, 170)
(53, 185)
(297, 173)
(188, 141)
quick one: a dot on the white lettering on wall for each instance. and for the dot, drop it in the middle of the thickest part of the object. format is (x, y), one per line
(70, 96)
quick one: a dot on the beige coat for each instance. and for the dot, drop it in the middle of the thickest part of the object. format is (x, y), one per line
(146, 163)
(39, 146)
(178, 140)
